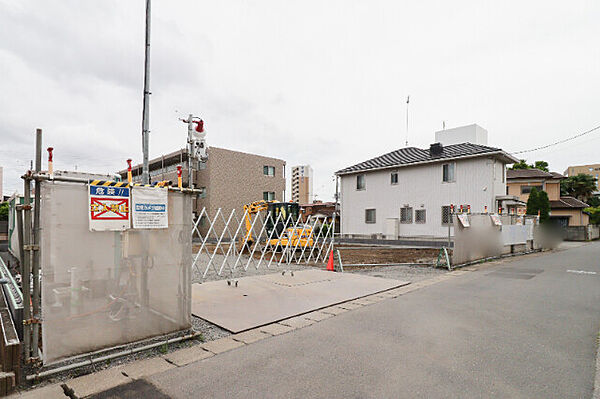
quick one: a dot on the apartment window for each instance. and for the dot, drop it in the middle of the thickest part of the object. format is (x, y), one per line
(360, 182)
(269, 195)
(203, 193)
(369, 215)
(448, 172)
(406, 214)
(394, 178)
(269, 170)
(446, 216)
(527, 189)
(420, 216)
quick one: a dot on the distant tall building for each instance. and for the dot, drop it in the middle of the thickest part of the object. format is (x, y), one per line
(592, 170)
(302, 184)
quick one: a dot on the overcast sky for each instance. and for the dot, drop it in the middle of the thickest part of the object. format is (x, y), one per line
(316, 82)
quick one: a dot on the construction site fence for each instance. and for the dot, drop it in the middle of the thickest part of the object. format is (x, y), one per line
(229, 243)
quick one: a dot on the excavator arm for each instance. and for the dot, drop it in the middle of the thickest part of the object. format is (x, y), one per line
(252, 209)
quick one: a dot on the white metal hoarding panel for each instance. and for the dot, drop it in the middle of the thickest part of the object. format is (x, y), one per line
(106, 288)
(149, 208)
(108, 208)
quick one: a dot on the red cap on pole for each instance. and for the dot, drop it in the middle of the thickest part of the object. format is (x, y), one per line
(179, 171)
(50, 149)
(129, 165)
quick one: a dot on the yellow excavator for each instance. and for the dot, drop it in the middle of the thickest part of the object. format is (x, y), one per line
(278, 213)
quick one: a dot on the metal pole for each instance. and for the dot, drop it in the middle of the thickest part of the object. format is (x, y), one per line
(146, 106)
(20, 235)
(190, 150)
(25, 277)
(36, 242)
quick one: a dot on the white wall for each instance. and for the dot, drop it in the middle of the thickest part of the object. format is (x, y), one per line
(473, 134)
(477, 182)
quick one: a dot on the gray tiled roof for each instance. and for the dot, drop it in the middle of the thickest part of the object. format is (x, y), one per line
(413, 155)
(567, 202)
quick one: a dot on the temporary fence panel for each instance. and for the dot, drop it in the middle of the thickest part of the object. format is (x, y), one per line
(516, 234)
(233, 242)
(104, 288)
(480, 240)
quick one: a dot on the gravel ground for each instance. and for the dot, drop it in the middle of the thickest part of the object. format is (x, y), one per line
(405, 273)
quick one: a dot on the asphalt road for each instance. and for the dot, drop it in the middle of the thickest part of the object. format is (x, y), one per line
(524, 327)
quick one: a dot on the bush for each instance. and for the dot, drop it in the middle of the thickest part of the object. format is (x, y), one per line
(4, 211)
(594, 214)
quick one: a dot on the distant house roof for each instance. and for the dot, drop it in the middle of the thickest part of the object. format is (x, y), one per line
(532, 174)
(412, 156)
(567, 203)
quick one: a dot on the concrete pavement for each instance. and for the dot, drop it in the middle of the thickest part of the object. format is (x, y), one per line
(523, 327)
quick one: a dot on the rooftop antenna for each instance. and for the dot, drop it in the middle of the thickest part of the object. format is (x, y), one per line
(407, 101)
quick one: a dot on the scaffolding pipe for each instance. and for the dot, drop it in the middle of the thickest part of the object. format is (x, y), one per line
(42, 176)
(126, 352)
(26, 276)
(35, 267)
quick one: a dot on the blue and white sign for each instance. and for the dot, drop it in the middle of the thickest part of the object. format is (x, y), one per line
(149, 207)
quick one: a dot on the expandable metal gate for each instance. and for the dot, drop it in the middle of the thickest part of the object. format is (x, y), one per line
(239, 250)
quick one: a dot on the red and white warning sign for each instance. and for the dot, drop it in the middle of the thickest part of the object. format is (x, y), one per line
(109, 206)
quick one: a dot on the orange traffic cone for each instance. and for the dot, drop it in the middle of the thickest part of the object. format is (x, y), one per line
(330, 262)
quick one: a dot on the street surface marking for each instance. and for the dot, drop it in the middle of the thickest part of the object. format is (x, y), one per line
(580, 272)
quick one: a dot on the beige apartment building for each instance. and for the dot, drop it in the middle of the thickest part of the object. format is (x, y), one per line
(566, 211)
(592, 170)
(230, 179)
(302, 184)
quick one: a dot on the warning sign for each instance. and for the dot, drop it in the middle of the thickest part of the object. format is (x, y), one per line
(109, 206)
(150, 210)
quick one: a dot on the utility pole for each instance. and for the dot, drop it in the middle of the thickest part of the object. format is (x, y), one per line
(146, 108)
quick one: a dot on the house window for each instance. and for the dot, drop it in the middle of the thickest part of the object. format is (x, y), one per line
(269, 170)
(406, 214)
(448, 172)
(446, 216)
(420, 216)
(360, 182)
(527, 189)
(269, 195)
(369, 215)
(203, 193)
(394, 178)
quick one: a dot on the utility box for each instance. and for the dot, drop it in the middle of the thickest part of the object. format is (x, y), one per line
(391, 228)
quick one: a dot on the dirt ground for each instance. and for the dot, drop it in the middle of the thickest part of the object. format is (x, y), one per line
(378, 255)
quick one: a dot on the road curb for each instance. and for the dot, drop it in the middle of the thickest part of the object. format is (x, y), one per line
(596, 394)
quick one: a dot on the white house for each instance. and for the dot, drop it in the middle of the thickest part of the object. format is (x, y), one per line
(408, 192)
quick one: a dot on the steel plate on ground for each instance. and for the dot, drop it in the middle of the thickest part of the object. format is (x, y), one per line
(260, 300)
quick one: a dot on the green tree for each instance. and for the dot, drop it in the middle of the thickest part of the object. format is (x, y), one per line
(594, 201)
(532, 202)
(541, 165)
(520, 165)
(4, 211)
(581, 186)
(543, 206)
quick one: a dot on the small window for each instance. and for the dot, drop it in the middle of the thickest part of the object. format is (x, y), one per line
(406, 215)
(527, 189)
(269, 170)
(360, 182)
(446, 216)
(394, 178)
(420, 216)
(203, 193)
(448, 172)
(369, 215)
(269, 195)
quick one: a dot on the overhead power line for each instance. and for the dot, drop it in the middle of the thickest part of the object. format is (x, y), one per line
(558, 142)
